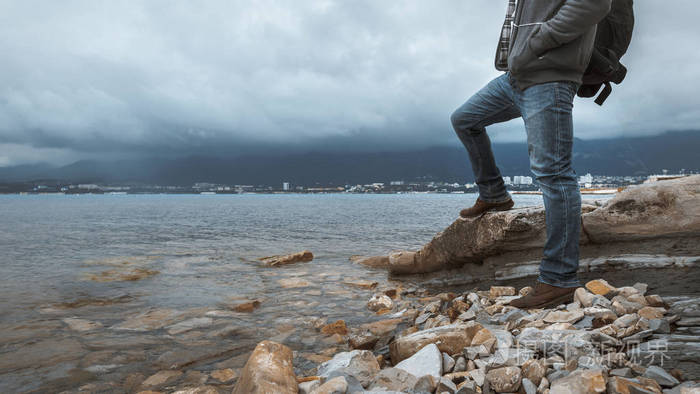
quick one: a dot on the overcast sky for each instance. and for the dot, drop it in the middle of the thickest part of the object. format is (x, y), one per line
(107, 78)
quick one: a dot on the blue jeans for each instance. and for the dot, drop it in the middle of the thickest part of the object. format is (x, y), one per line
(546, 111)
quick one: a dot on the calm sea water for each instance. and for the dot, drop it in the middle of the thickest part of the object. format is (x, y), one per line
(60, 256)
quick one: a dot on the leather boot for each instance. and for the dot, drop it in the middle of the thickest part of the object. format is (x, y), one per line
(545, 296)
(481, 206)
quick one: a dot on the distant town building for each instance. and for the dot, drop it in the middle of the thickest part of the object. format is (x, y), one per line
(396, 183)
(522, 180)
(585, 179)
(285, 186)
(507, 181)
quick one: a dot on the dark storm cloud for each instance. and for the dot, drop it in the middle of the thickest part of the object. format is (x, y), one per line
(83, 78)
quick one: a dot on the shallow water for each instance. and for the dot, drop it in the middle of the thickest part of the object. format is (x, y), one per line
(109, 258)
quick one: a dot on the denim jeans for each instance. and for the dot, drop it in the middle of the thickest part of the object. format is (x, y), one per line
(546, 110)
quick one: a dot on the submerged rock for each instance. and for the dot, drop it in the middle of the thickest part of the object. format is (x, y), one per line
(272, 261)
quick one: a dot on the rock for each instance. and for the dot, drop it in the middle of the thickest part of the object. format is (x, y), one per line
(337, 385)
(567, 343)
(393, 379)
(600, 287)
(509, 357)
(293, 283)
(660, 326)
(620, 385)
(382, 327)
(269, 369)
(562, 326)
(363, 341)
(641, 287)
(161, 378)
(246, 307)
(446, 386)
(337, 327)
(189, 324)
(478, 375)
(504, 380)
(627, 320)
(448, 363)
(544, 385)
(272, 261)
(380, 301)
(564, 317)
(309, 386)
(426, 383)
(534, 370)
(655, 300)
(482, 336)
(81, 324)
(450, 339)
(650, 312)
(224, 375)
(583, 297)
(360, 364)
(495, 245)
(363, 284)
(662, 377)
(581, 382)
(467, 315)
(528, 386)
(374, 261)
(497, 291)
(198, 390)
(622, 372)
(150, 320)
(427, 361)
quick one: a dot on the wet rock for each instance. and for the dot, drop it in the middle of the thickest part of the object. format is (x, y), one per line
(381, 327)
(564, 316)
(272, 261)
(655, 300)
(161, 378)
(337, 327)
(497, 291)
(190, 324)
(363, 284)
(81, 324)
(42, 353)
(504, 380)
(534, 370)
(179, 358)
(337, 385)
(122, 275)
(363, 341)
(581, 381)
(269, 369)
(292, 283)
(360, 364)
(427, 361)
(246, 307)
(224, 375)
(198, 390)
(660, 376)
(374, 261)
(380, 301)
(450, 339)
(393, 379)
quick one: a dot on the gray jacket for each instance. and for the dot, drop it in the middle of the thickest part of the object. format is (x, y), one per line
(553, 39)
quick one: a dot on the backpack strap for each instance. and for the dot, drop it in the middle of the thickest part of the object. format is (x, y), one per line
(604, 94)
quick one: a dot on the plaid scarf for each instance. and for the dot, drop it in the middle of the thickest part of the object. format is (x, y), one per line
(506, 35)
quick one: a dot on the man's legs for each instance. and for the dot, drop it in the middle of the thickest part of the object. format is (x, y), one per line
(492, 104)
(546, 110)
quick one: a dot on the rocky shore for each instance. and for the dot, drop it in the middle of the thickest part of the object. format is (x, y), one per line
(609, 339)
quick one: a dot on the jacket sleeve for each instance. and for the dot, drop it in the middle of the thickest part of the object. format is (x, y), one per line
(572, 20)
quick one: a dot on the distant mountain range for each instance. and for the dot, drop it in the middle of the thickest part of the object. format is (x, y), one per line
(617, 156)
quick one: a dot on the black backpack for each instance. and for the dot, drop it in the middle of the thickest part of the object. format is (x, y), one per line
(612, 39)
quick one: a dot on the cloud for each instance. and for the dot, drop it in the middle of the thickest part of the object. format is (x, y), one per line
(176, 77)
